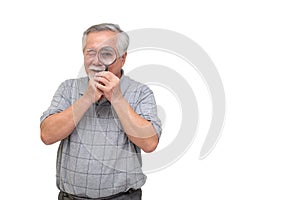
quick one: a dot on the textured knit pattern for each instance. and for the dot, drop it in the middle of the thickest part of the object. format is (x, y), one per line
(98, 159)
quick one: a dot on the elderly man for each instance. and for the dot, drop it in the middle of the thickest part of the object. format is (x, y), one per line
(102, 121)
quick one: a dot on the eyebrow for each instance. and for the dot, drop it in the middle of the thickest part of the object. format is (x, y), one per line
(89, 50)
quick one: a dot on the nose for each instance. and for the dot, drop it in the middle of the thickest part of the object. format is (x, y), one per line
(96, 61)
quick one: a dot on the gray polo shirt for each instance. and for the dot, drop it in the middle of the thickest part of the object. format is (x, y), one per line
(98, 159)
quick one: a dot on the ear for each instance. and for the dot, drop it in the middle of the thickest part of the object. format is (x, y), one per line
(123, 58)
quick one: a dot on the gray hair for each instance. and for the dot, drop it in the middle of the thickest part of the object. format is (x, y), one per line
(122, 41)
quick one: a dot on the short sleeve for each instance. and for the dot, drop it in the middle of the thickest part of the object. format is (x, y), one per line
(59, 102)
(146, 107)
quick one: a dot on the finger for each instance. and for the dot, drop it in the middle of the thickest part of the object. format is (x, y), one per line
(107, 74)
(103, 88)
(102, 74)
(102, 80)
(97, 85)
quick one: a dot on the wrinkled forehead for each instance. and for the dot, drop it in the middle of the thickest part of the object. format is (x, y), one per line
(96, 40)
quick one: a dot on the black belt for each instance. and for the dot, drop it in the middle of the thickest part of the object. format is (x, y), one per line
(73, 197)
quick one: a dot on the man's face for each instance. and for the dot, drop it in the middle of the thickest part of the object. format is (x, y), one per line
(94, 42)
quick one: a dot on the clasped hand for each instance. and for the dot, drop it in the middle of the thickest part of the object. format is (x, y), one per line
(104, 83)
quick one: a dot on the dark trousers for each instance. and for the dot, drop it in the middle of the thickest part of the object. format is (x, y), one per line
(129, 195)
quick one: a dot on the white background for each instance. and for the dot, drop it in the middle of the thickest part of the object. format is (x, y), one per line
(255, 47)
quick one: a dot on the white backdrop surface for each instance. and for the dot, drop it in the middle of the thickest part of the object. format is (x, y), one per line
(255, 46)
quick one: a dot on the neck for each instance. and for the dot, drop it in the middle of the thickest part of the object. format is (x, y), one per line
(121, 72)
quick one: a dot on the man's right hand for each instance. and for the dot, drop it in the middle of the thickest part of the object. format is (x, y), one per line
(92, 93)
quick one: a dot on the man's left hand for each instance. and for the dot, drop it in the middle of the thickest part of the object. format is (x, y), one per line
(109, 84)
